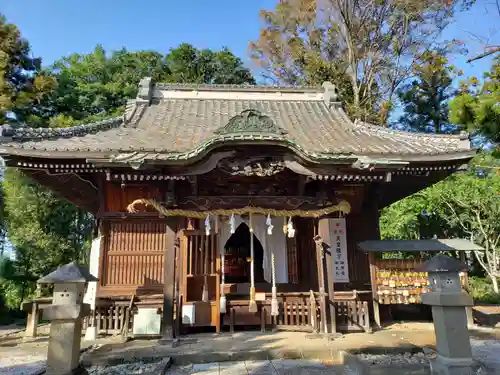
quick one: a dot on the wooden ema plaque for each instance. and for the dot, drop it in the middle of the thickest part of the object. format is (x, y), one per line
(260, 296)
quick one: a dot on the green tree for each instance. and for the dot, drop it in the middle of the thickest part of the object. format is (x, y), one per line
(45, 232)
(465, 205)
(96, 85)
(470, 202)
(186, 64)
(22, 83)
(425, 98)
(369, 45)
(477, 106)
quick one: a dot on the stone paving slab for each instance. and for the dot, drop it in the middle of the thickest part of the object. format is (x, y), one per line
(242, 346)
(270, 367)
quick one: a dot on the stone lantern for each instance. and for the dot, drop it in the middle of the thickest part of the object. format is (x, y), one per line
(66, 315)
(449, 302)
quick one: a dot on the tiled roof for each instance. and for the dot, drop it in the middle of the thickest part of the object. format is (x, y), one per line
(170, 121)
(245, 87)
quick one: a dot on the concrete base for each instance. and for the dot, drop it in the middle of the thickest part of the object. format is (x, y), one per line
(90, 333)
(452, 366)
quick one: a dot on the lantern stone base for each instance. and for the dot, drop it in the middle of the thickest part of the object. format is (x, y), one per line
(453, 366)
(63, 354)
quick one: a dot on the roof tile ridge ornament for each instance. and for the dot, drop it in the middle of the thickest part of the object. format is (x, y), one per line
(331, 95)
(135, 108)
(250, 121)
(9, 133)
(462, 139)
(235, 87)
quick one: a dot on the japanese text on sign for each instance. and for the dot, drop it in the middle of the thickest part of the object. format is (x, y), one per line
(339, 245)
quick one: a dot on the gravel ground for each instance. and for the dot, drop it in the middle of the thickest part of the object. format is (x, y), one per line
(134, 368)
(395, 359)
(487, 352)
(22, 364)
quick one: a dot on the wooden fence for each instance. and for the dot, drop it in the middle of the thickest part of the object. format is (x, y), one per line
(110, 320)
(352, 315)
(301, 312)
(297, 311)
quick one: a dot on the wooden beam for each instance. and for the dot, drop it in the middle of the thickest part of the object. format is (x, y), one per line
(70, 187)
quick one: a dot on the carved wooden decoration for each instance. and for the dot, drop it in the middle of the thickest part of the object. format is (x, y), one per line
(256, 166)
(219, 183)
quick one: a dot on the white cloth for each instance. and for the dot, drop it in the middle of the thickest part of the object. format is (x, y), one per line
(276, 241)
(91, 292)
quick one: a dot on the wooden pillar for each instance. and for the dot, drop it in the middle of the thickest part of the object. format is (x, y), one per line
(373, 280)
(32, 321)
(371, 231)
(469, 309)
(169, 281)
(218, 275)
(327, 271)
(322, 327)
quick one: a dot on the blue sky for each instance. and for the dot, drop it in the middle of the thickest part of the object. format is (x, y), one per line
(57, 28)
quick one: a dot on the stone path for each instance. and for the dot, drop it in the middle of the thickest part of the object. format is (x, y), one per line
(274, 367)
(19, 356)
(227, 347)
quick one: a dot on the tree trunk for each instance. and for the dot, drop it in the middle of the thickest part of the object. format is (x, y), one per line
(494, 281)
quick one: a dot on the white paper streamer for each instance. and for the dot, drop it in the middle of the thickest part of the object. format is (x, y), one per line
(208, 227)
(269, 224)
(232, 224)
(290, 229)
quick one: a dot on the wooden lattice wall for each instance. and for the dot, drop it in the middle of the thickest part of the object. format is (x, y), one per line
(133, 256)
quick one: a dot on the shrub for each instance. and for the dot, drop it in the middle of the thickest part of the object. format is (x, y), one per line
(482, 290)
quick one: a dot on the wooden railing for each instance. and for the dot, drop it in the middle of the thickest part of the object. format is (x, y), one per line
(297, 311)
(301, 312)
(352, 315)
(110, 320)
(111, 316)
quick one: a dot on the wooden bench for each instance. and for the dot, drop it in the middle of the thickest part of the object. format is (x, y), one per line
(33, 309)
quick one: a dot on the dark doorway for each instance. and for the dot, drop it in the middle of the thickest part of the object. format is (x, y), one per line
(236, 264)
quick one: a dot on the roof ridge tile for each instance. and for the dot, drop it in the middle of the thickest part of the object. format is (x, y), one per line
(29, 133)
(235, 87)
(382, 129)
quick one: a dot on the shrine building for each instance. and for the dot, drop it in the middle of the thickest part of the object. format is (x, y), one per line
(235, 205)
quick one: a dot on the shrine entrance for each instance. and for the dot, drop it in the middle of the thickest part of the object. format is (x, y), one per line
(237, 257)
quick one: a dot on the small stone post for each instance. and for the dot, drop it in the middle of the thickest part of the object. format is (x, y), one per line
(65, 315)
(449, 302)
